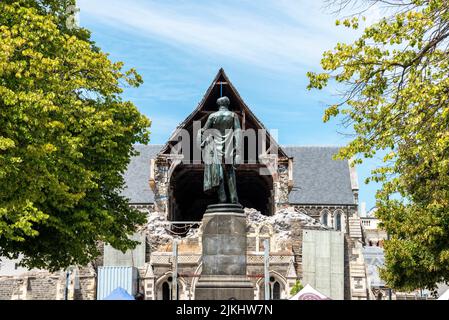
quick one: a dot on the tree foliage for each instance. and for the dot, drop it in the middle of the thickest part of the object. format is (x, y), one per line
(396, 76)
(66, 137)
(296, 288)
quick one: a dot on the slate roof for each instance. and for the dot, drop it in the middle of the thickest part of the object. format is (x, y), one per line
(137, 175)
(317, 178)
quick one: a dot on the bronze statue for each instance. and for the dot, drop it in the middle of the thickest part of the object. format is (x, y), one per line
(221, 142)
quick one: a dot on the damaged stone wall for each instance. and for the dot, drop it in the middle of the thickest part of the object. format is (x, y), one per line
(284, 229)
(33, 285)
(161, 168)
(288, 225)
(84, 285)
(285, 222)
(12, 288)
(281, 187)
(315, 212)
(43, 285)
(159, 235)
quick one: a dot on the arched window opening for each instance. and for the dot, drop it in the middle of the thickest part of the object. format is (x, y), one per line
(338, 222)
(275, 288)
(166, 291)
(276, 291)
(167, 287)
(324, 219)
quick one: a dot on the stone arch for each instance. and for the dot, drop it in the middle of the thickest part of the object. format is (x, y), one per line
(265, 228)
(326, 217)
(164, 279)
(340, 217)
(195, 280)
(251, 236)
(264, 231)
(251, 228)
(279, 278)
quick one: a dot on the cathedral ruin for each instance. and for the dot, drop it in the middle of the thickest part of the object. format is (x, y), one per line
(305, 203)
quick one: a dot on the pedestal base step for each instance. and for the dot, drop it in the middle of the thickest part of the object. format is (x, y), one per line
(224, 288)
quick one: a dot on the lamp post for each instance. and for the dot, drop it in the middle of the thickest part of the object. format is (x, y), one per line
(389, 289)
(69, 270)
(266, 244)
(175, 270)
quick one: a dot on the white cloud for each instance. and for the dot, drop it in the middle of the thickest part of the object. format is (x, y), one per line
(286, 35)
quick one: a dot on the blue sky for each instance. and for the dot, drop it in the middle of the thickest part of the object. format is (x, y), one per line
(265, 47)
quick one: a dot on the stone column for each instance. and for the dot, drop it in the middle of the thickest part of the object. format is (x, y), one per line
(223, 275)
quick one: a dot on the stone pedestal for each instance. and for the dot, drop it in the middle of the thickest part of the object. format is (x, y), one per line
(224, 288)
(223, 275)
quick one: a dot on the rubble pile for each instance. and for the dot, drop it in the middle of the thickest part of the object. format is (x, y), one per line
(282, 220)
(285, 223)
(193, 232)
(158, 231)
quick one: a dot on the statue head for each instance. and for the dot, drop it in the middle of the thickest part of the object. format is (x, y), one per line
(223, 102)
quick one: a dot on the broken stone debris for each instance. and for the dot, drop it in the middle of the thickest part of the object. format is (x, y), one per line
(282, 219)
(159, 234)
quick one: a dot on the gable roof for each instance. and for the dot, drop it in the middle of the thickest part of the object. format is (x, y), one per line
(317, 178)
(208, 104)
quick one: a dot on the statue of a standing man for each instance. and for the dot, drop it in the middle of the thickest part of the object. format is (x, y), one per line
(221, 142)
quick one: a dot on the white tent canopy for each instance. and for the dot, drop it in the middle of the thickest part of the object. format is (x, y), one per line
(309, 293)
(444, 296)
